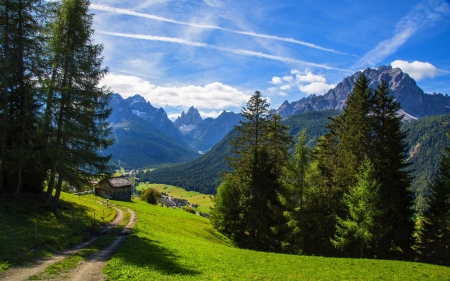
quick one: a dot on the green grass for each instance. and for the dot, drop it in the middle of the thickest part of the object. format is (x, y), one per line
(68, 263)
(170, 244)
(203, 200)
(78, 217)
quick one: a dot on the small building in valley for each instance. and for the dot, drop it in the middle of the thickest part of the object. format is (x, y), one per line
(118, 188)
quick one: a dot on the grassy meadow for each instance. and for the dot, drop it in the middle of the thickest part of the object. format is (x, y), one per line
(171, 244)
(204, 201)
(77, 218)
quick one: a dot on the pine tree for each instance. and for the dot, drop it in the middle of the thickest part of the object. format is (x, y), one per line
(434, 233)
(294, 196)
(388, 154)
(21, 67)
(353, 130)
(79, 108)
(257, 160)
(357, 232)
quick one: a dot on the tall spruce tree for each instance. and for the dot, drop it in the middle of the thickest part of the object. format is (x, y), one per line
(388, 154)
(357, 232)
(434, 232)
(21, 67)
(77, 107)
(295, 195)
(353, 130)
(256, 161)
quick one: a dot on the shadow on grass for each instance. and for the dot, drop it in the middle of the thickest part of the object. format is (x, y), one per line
(145, 253)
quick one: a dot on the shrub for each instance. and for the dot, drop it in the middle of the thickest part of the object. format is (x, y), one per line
(151, 195)
(190, 210)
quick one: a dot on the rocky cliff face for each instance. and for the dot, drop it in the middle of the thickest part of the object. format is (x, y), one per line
(138, 106)
(412, 99)
(188, 121)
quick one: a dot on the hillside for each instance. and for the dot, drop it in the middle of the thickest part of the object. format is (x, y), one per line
(139, 144)
(202, 173)
(171, 244)
(426, 139)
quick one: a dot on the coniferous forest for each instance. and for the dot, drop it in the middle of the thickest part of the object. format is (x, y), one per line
(53, 112)
(348, 196)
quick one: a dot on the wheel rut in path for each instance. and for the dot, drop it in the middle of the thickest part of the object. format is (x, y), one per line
(39, 265)
(91, 268)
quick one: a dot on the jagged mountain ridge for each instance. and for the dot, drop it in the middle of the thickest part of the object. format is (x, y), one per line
(210, 131)
(404, 88)
(188, 121)
(139, 142)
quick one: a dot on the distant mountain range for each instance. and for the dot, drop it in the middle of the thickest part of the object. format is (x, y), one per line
(146, 136)
(414, 101)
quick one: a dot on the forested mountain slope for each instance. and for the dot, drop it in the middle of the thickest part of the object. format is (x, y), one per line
(139, 144)
(426, 139)
(202, 173)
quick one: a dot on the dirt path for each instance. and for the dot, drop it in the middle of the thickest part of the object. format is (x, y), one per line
(91, 268)
(38, 265)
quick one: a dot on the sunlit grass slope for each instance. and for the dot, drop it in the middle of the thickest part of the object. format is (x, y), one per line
(77, 218)
(171, 244)
(204, 201)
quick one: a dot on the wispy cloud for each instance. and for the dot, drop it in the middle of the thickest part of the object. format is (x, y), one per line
(426, 13)
(218, 48)
(121, 11)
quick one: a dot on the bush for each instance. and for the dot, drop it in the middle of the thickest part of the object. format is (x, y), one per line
(151, 195)
(190, 210)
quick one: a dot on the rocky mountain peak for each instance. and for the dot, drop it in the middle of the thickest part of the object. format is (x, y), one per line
(191, 118)
(404, 88)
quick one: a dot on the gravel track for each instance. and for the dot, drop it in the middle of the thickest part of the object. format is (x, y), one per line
(38, 265)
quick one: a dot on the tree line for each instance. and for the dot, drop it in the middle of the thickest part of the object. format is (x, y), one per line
(348, 196)
(53, 111)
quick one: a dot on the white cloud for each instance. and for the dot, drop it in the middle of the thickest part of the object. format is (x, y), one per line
(213, 96)
(424, 14)
(305, 81)
(416, 69)
(276, 80)
(318, 88)
(309, 77)
(288, 78)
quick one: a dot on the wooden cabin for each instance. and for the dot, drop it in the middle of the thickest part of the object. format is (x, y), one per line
(114, 188)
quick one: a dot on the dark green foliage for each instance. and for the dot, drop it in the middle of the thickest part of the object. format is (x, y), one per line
(259, 152)
(426, 139)
(434, 232)
(370, 127)
(295, 196)
(356, 233)
(202, 174)
(76, 108)
(389, 154)
(22, 66)
(151, 196)
(190, 210)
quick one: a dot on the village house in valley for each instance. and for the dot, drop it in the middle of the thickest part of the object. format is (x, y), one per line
(118, 188)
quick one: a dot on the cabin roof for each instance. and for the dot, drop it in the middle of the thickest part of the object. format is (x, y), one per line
(119, 182)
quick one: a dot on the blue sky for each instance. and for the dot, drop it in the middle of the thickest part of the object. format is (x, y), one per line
(213, 54)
